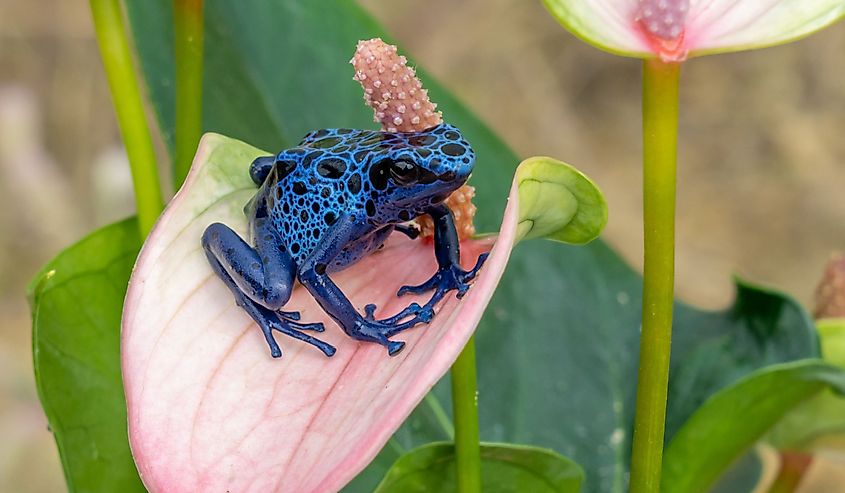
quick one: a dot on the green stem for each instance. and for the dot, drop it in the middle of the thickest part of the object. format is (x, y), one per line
(188, 19)
(117, 59)
(793, 467)
(660, 140)
(465, 410)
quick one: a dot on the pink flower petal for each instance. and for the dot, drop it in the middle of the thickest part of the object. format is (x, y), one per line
(210, 410)
(647, 28)
(731, 25)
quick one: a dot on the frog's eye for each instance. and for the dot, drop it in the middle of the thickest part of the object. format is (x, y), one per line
(404, 172)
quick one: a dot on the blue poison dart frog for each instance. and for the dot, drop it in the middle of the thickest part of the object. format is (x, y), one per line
(328, 202)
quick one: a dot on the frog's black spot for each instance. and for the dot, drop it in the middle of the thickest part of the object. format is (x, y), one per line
(283, 168)
(340, 149)
(312, 180)
(279, 193)
(341, 200)
(265, 260)
(423, 140)
(360, 156)
(294, 249)
(343, 131)
(325, 192)
(283, 248)
(423, 152)
(320, 269)
(453, 149)
(296, 150)
(373, 139)
(366, 186)
(370, 208)
(465, 160)
(315, 206)
(331, 168)
(354, 183)
(404, 216)
(286, 208)
(379, 173)
(306, 161)
(268, 237)
(299, 188)
(303, 216)
(315, 233)
(320, 133)
(452, 135)
(434, 163)
(330, 218)
(325, 143)
(439, 198)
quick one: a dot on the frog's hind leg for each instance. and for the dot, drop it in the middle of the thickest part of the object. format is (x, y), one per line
(261, 280)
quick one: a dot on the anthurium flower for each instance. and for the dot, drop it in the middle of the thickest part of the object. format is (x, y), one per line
(677, 29)
(210, 410)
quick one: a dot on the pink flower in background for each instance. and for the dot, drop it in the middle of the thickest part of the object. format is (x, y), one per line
(677, 29)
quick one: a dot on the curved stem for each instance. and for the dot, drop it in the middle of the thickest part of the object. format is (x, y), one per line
(188, 30)
(465, 410)
(793, 467)
(660, 137)
(117, 60)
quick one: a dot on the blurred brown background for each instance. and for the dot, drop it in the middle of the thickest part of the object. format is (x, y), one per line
(761, 179)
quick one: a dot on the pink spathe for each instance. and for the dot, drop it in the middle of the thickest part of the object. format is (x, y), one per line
(210, 410)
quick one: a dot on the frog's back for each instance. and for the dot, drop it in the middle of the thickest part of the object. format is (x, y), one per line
(328, 175)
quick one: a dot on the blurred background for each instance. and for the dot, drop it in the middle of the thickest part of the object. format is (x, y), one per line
(761, 178)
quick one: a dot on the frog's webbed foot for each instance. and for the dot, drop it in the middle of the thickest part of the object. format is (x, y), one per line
(446, 279)
(423, 314)
(380, 331)
(285, 322)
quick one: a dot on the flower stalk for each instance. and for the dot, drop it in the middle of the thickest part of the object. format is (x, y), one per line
(117, 60)
(465, 410)
(188, 30)
(660, 135)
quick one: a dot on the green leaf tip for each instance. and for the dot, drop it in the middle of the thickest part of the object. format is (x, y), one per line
(558, 202)
(504, 468)
(733, 419)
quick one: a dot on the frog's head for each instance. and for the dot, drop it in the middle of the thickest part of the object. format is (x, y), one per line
(419, 169)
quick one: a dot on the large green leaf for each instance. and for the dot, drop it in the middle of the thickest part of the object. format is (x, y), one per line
(76, 304)
(822, 417)
(504, 468)
(557, 350)
(733, 419)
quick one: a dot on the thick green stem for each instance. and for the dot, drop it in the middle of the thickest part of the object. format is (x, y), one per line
(465, 409)
(117, 59)
(660, 138)
(793, 467)
(188, 19)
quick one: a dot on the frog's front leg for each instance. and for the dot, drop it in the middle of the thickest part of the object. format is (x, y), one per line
(449, 276)
(312, 275)
(261, 280)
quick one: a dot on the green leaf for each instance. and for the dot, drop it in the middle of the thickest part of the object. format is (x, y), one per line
(816, 420)
(558, 202)
(557, 350)
(504, 468)
(733, 419)
(76, 306)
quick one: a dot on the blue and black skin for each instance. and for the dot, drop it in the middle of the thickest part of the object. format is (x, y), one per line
(328, 202)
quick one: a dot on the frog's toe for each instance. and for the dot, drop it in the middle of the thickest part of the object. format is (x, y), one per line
(420, 288)
(422, 314)
(289, 315)
(395, 347)
(315, 326)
